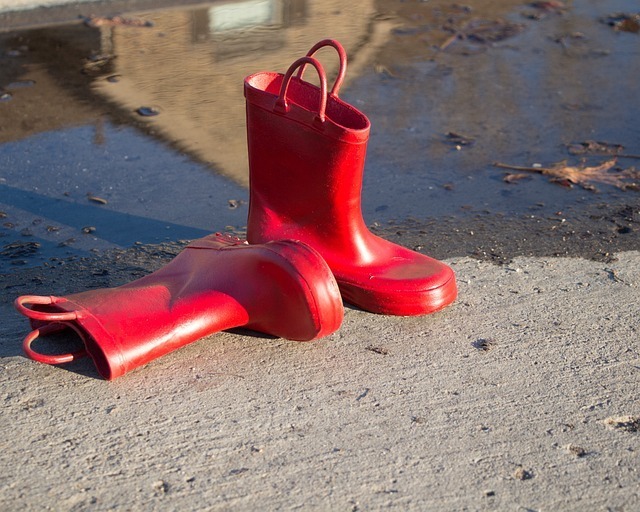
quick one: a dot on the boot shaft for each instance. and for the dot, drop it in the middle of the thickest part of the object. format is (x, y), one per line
(305, 175)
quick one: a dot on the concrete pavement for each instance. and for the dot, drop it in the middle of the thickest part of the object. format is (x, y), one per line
(517, 397)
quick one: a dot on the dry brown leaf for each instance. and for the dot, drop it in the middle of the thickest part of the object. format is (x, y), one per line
(482, 31)
(595, 147)
(624, 22)
(584, 176)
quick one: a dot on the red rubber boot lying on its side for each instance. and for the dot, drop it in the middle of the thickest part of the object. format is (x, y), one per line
(281, 288)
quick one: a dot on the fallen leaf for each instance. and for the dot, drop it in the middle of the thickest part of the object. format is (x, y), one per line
(584, 176)
(598, 148)
(594, 147)
(481, 31)
(623, 22)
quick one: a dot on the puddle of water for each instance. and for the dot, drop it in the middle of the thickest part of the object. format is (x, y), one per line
(520, 100)
(151, 118)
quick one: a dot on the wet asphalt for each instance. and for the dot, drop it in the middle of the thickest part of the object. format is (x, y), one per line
(450, 91)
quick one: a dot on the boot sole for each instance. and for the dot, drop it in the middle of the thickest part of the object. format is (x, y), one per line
(321, 291)
(399, 302)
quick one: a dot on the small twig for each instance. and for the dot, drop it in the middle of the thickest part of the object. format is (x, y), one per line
(449, 41)
(613, 275)
(539, 170)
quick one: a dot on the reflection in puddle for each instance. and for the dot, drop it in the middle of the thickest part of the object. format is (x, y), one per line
(191, 66)
(177, 78)
(113, 109)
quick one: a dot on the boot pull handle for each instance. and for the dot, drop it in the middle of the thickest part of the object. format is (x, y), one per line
(281, 102)
(46, 358)
(21, 305)
(343, 62)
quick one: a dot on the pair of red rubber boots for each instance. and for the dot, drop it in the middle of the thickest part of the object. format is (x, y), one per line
(308, 246)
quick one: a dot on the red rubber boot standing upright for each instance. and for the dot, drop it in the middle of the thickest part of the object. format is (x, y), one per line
(281, 288)
(307, 151)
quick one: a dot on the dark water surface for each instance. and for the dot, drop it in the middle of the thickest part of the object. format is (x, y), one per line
(117, 134)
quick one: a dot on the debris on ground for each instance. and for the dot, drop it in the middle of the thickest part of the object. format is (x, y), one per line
(147, 111)
(20, 84)
(235, 203)
(514, 177)
(377, 350)
(19, 249)
(613, 275)
(622, 22)
(541, 10)
(481, 31)
(96, 199)
(594, 147)
(554, 6)
(483, 344)
(576, 450)
(522, 474)
(567, 175)
(96, 64)
(381, 69)
(563, 39)
(623, 423)
(458, 140)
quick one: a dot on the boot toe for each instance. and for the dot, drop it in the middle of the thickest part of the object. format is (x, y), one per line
(408, 285)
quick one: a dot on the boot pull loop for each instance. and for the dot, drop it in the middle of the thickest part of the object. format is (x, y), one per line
(343, 62)
(46, 358)
(21, 305)
(281, 102)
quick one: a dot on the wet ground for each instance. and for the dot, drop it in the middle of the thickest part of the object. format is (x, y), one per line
(450, 90)
(522, 395)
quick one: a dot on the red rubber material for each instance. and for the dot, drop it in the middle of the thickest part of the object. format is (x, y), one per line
(48, 316)
(305, 184)
(282, 105)
(342, 55)
(46, 358)
(218, 282)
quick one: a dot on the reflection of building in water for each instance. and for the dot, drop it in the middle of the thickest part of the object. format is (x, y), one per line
(59, 96)
(191, 65)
